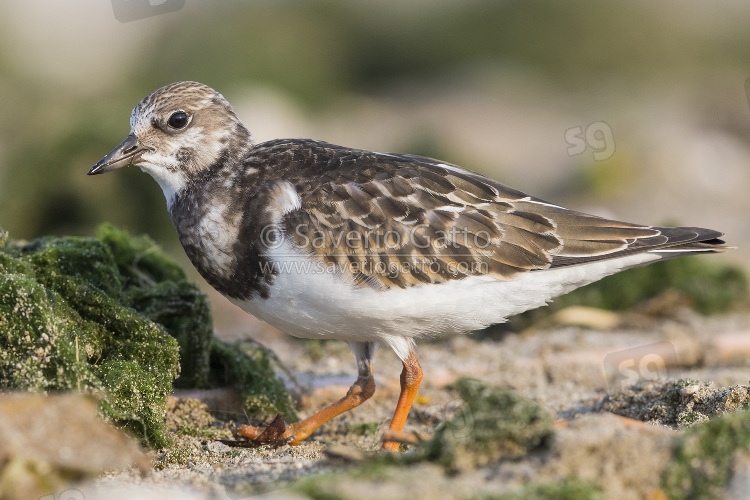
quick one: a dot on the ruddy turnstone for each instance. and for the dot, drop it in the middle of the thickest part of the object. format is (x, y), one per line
(323, 241)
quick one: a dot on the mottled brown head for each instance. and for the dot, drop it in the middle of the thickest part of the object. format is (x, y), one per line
(178, 132)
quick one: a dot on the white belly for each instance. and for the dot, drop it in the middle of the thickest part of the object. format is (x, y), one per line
(307, 301)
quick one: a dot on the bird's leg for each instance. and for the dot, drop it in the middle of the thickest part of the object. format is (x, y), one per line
(361, 391)
(411, 375)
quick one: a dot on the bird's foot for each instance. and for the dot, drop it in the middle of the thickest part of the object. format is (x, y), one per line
(277, 433)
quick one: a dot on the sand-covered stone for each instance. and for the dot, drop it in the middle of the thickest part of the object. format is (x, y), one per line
(678, 403)
(48, 442)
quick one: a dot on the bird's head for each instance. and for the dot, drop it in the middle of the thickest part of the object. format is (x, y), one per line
(176, 134)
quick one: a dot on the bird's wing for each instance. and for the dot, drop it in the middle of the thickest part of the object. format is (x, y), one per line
(400, 220)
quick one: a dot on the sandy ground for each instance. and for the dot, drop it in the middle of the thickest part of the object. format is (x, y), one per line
(568, 368)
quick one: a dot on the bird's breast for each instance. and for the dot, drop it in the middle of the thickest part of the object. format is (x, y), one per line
(222, 233)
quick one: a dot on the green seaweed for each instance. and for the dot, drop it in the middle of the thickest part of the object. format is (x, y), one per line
(155, 285)
(703, 457)
(65, 325)
(247, 367)
(140, 260)
(184, 311)
(114, 315)
(494, 423)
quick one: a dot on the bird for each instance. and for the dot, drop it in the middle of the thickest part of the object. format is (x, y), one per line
(329, 242)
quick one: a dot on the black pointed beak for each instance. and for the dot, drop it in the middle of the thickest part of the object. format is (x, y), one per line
(127, 152)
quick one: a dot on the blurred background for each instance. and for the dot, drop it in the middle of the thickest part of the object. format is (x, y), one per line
(629, 109)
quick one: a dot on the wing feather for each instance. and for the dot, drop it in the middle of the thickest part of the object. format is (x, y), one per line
(400, 220)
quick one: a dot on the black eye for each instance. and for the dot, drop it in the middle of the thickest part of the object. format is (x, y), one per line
(178, 120)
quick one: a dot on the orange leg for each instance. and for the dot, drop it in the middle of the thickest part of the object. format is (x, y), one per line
(411, 375)
(361, 391)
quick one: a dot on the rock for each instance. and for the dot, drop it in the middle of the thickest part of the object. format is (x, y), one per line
(677, 404)
(626, 462)
(48, 441)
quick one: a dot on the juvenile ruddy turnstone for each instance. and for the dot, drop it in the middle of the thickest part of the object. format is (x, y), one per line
(323, 241)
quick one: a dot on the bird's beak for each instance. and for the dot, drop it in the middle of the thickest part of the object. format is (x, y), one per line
(127, 152)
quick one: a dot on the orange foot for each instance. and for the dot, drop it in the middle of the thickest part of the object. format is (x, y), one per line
(274, 434)
(279, 432)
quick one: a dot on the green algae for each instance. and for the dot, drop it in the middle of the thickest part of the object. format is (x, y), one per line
(155, 285)
(115, 316)
(65, 325)
(183, 310)
(493, 424)
(704, 456)
(247, 367)
(139, 259)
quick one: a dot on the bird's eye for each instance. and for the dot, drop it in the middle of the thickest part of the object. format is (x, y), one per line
(178, 120)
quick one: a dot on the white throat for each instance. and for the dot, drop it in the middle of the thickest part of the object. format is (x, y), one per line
(171, 183)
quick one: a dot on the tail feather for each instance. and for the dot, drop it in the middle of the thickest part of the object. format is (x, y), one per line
(691, 239)
(670, 242)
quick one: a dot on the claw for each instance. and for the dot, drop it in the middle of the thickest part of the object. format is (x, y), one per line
(273, 434)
